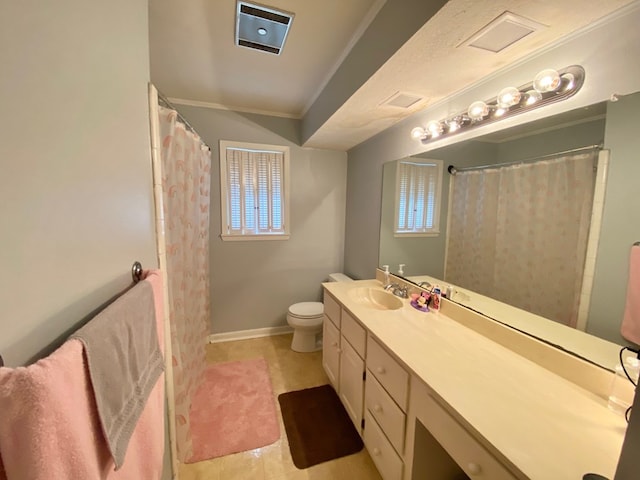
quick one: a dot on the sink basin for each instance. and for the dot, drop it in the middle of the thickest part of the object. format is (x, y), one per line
(375, 298)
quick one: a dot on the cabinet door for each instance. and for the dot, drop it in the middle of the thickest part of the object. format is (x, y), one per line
(351, 383)
(331, 352)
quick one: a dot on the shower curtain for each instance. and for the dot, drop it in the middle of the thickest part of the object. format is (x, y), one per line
(519, 233)
(182, 166)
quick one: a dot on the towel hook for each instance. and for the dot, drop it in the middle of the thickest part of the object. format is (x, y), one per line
(136, 272)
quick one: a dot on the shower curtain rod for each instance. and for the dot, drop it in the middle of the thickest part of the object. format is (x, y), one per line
(453, 170)
(168, 104)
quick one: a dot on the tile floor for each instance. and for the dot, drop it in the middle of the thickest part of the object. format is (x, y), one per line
(289, 371)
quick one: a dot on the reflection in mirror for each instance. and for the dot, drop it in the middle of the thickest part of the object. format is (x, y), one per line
(426, 256)
(519, 232)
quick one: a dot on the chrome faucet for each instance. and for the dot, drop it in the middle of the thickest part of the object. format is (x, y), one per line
(397, 290)
(424, 285)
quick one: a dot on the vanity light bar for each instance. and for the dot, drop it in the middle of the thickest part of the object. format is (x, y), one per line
(548, 86)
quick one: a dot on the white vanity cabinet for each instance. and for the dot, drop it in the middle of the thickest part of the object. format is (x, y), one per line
(386, 397)
(343, 352)
(331, 340)
(429, 415)
(353, 341)
(331, 351)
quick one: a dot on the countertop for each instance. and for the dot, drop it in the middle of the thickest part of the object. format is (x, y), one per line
(545, 426)
(597, 350)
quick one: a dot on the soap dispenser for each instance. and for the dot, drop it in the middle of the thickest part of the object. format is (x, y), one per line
(386, 274)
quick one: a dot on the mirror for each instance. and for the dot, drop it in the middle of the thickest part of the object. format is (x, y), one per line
(424, 257)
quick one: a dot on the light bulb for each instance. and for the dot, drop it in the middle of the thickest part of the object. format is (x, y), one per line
(509, 96)
(499, 112)
(434, 128)
(418, 133)
(478, 110)
(532, 96)
(546, 81)
(568, 81)
(454, 125)
(262, 31)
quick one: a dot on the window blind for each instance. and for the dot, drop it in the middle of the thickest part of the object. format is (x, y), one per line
(255, 192)
(417, 195)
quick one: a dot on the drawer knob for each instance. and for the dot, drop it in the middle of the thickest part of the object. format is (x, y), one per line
(380, 370)
(377, 408)
(334, 344)
(376, 451)
(339, 350)
(474, 468)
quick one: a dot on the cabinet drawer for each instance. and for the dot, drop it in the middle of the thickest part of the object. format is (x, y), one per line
(391, 375)
(354, 332)
(387, 461)
(390, 418)
(332, 309)
(472, 457)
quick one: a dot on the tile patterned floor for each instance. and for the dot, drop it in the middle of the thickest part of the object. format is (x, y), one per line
(289, 371)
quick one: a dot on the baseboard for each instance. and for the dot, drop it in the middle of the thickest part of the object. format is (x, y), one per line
(246, 334)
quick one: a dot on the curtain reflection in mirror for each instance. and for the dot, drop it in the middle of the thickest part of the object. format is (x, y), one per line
(519, 233)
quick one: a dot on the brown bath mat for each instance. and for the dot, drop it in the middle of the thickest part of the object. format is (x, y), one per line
(317, 425)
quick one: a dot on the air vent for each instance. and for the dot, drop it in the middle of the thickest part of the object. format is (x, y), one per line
(402, 100)
(502, 32)
(261, 28)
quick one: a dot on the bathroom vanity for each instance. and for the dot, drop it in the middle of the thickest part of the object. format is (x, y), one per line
(433, 398)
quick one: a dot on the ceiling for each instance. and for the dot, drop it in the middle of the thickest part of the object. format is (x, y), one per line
(194, 59)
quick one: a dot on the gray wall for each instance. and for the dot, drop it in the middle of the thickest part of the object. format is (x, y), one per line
(75, 190)
(620, 219)
(254, 282)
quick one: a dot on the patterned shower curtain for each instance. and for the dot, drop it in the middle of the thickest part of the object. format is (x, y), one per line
(519, 233)
(185, 173)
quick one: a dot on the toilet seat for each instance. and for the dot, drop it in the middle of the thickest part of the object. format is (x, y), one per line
(306, 310)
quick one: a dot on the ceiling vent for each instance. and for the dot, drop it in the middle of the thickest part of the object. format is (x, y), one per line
(402, 100)
(502, 32)
(261, 28)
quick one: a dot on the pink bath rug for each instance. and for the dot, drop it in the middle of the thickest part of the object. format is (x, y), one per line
(233, 410)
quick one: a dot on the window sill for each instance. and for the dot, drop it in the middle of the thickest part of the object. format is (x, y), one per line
(411, 234)
(249, 238)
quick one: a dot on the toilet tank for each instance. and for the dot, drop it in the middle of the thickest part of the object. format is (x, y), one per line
(339, 277)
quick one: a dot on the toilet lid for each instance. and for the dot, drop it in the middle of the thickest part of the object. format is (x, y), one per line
(306, 309)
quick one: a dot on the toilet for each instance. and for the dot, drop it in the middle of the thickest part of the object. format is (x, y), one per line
(306, 320)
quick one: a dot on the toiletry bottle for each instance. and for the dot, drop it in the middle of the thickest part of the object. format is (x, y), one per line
(449, 292)
(435, 299)
(401, 269)
(386, 274)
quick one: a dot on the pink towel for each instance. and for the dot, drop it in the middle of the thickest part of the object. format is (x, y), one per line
(631, 322)
(49, 426)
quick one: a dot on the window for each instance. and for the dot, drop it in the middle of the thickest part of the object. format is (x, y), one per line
(418, 185)
(254, 183)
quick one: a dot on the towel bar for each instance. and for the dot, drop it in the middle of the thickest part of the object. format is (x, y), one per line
(136, 274)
